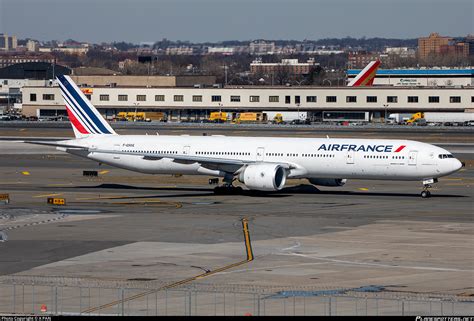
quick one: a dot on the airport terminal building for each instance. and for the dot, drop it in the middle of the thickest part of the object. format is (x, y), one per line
(191, 104)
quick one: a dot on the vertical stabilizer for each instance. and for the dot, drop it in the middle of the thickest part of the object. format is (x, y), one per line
(366, 76)
(84, 117)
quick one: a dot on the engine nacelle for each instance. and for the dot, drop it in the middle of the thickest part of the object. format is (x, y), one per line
(264, 177)
(331, 182)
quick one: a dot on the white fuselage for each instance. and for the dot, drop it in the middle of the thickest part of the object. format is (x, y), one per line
(309, 157)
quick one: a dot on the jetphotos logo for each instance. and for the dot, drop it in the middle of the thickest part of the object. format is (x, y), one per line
(361, 148)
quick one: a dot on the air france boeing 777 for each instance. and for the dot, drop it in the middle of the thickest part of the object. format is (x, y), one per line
(260, 163)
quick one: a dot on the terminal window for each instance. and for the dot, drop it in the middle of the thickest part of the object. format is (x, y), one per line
(287, 99)
(104, 97)
(216, 98)
(122, 97)
(455, 99)
(254, 99)
(32, 97)
(472, 99)
(273, 99)
(392, 99)
(331, 99)
(351, 99)
(197, 98)
(48, 96)
(371, 99)
(412, 99)
(178, 98)
(235, 99)
(141, 97)
(297, 100)
(159, 97)
(433, 99)
(311, 99)
(88, 96)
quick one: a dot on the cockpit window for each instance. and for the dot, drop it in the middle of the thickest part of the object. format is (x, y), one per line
(443, 156)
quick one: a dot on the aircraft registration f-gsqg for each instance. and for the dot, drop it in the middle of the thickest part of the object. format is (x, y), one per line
(260, 163)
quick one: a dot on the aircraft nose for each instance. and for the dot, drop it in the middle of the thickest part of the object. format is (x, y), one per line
(458, 165)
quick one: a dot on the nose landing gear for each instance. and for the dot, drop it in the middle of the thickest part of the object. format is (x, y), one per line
(426, 186)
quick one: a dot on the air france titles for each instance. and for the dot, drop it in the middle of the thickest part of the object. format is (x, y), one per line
(356, 148)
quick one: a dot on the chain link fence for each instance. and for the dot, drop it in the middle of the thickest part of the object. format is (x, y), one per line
(59, 296)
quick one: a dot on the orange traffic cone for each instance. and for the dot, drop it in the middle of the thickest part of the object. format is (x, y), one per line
(44, 308)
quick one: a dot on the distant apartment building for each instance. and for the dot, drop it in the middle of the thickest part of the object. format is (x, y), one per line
(7, 42)
(435, 44)
(291, 66)
(460, 49)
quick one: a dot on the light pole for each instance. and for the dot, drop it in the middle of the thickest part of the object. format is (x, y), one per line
(135, 115)
(385, 115)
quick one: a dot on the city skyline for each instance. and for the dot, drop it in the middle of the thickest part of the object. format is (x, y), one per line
(213, 21)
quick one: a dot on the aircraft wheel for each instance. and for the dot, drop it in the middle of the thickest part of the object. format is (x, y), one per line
(219, 190)
(425, 194)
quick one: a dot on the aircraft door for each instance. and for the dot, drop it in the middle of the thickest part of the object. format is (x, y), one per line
(350, 157)
(260, 154)
(186, 150)
(412, 156)
(117, 148)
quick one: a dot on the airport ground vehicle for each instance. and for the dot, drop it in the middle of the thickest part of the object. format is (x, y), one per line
(446, 118)
(141, 116)
(398, 118)
(286, 117)
(260, 163)
(218, 117)
(250, 118)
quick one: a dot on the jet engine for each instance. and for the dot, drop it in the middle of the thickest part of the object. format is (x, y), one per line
(264, 177)
(332, 182)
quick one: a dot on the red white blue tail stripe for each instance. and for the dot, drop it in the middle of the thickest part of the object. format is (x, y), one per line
(84, 117)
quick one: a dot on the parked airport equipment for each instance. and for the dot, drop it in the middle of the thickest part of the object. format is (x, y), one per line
(4, 199)
(398, 118)
(218, 117)
(56, 201)
(447, 118)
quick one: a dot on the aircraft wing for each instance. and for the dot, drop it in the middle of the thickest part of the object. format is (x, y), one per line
(224, 164)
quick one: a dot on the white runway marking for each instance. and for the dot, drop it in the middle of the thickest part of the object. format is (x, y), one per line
(378, 264)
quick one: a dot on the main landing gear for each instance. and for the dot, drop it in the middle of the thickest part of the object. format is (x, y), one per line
(227, 188)
(426, 186)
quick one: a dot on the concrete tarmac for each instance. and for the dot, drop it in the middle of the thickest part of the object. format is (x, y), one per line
(124, 225)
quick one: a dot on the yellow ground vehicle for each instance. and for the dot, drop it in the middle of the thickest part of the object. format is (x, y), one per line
(278, 119)
(250, 118)
(218, 117)
(141, 116)
(414, 117)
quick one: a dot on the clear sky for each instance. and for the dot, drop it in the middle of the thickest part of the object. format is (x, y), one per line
(215, 20)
